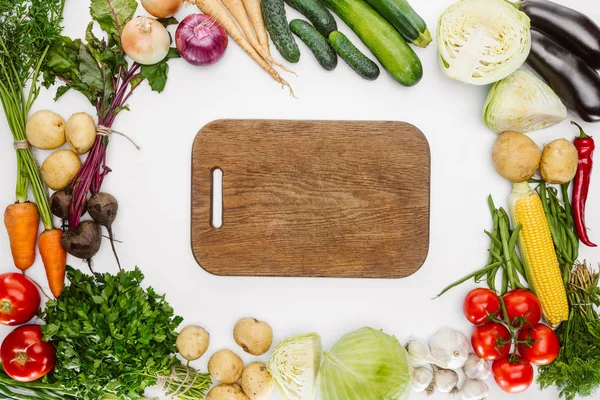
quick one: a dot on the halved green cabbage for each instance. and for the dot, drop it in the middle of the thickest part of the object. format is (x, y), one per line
(482, 41)
(294, 365)
(522, 102)
(366, 364)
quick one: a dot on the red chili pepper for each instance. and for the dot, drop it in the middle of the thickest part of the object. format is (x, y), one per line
(585, 149)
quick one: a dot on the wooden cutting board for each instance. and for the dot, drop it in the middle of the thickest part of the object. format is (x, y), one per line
(312, 198)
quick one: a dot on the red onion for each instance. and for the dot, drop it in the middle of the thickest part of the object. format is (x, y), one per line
(200, 39)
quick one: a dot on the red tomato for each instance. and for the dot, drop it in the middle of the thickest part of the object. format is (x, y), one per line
(479, 303)
(19, 299)
(513, 378)
(491, 341)
(25, 357)
(522, 303)
(545, 347)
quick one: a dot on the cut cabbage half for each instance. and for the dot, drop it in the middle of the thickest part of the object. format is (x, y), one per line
(522, 102)
(482, 41)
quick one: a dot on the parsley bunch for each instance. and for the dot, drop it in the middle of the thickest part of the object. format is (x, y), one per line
(576, 370)
(114, 338)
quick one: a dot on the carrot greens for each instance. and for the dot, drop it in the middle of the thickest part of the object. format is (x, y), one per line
(27, 28)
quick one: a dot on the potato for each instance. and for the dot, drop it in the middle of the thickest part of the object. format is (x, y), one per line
(80, 132)
(257, 382)
(225, 366)
(226, 392)
(45, 130)
(254, 336)
(516, 156)
(192, 342)
(59, 169)
(559, 161)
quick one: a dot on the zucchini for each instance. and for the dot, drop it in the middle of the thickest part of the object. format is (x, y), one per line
(316, 13)
(390, 48)
(273, 12)
(406, 21)
(360, 63)
(319, 46)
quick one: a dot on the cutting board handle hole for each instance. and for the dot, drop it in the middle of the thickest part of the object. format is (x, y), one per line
(216, 209)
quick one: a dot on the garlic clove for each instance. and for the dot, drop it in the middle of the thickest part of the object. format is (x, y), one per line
(449, 349)
(445, 380)
(477, 368)
(473, 390)
(418, 353)
(421, 379)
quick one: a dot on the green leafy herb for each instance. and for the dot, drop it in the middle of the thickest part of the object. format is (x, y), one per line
(575, 371)
(112, 336)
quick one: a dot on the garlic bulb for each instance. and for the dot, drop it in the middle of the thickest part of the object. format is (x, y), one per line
(477, 368)
(449, 349)
(421, 379)
(445, 380)
(418, 353)
(473, 390)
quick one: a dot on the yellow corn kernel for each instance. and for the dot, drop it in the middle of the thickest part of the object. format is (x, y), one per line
(538, 254)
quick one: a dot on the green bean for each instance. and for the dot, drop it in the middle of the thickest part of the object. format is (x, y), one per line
(508, 268)
(471, 275)
(544, 197)
(494, 239)
(491, 279)
(518, 264)
(504, 282)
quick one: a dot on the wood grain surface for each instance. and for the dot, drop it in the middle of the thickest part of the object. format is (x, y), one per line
(312, 198)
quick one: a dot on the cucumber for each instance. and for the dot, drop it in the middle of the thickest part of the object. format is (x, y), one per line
(390, 48)
(273, 12)
(319, 46)
(406, 21)
(360, 63)
(316, 13)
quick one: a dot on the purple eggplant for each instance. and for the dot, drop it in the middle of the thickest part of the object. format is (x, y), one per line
(570, 28)
(571, 78)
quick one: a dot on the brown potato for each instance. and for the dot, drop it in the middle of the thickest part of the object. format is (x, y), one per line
(192, 342)
(559, 161)
(59, 169)
(252, 335)
(45, 130)
(257, 382)
(80, 132)
(226, 392)
(225, 366)
(516, 156)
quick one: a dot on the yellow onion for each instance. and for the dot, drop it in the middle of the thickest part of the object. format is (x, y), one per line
(145, 40)
(162, 8)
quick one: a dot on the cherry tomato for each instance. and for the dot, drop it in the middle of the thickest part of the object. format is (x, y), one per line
(25, 357)
(522, 303)
(515, 377)
(491, 341)
(479, 303)
(19, 299)
(545, 346)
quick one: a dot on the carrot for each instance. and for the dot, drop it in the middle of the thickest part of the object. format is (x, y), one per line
(255, 14)
(54, 258)
(22, 221)
(216, 10)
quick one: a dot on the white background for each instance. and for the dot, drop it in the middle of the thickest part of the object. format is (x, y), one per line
(153, 188)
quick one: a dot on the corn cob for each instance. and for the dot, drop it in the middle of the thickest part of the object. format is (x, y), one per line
(538, 254)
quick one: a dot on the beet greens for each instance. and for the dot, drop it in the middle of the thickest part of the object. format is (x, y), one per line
(98, 68)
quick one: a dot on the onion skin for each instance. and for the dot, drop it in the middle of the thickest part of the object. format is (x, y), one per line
(145, 40)
(201, 40)
(162, 8)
